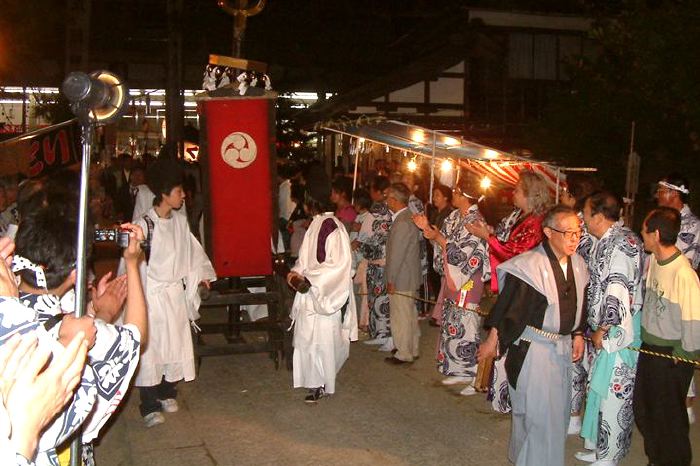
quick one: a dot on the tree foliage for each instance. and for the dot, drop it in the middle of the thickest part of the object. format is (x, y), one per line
(645, 70)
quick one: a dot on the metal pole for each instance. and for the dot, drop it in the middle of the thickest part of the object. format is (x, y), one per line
(76, 456)
(432, 170)
(354, 176)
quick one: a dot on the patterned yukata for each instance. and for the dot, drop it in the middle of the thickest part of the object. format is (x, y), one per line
(464, 265)
(374, 250)
(579, 376)
(615, 297)
(514, 235)
(105, 380)
(416, 206)
(689, 237)
(688, 242)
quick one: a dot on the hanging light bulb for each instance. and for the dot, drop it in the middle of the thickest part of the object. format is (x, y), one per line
(485, 182)
(412, 165)
(446, 165)
(490, 154)
(449, 141)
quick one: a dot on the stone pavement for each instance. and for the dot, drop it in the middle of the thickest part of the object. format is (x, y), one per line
(241, 411)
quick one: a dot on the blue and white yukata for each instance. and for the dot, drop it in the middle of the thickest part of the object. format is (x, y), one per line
(417, 207)
(498, 387)
(110, 367)
(615, 297)
(373, 249)
(465, 264)
(688, 240)
(579, 377)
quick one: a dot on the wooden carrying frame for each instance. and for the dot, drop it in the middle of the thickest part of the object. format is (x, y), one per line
(227, 224)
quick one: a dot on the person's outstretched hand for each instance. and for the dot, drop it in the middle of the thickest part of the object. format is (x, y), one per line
(136, 236)
(35, 396)
(108, 297)
(8, 282)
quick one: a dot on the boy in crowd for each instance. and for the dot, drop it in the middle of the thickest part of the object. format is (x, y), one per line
(177, 265)
(671, 326)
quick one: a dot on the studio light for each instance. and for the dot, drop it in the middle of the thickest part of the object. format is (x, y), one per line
(96, 98)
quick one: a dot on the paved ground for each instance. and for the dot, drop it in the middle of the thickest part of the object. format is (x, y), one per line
(241, 411)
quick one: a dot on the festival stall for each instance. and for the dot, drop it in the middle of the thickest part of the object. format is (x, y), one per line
(453, 154)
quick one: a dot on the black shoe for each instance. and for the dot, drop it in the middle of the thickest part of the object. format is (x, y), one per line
(314, 395)
(396, 362)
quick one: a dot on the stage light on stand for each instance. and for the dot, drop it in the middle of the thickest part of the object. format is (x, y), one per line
(95, 98)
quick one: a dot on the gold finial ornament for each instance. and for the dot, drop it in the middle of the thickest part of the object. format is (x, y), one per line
(240, 10)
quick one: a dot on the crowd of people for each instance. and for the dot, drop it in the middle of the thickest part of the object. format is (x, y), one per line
(583, 307)
(575, 290)
(64, 366)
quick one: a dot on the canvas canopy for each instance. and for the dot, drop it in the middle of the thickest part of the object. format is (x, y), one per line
(502, 167)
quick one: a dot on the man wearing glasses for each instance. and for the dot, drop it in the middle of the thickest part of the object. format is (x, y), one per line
(538, 319)
(614, 303)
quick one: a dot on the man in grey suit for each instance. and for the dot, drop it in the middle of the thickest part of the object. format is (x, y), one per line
(403, 276)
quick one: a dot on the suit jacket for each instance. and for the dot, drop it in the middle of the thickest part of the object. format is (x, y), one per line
(403, 267)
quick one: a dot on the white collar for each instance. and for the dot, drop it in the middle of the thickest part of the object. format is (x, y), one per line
(394, 215)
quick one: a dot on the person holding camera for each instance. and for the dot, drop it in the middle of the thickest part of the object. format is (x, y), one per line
(45, 262)
(176, 266)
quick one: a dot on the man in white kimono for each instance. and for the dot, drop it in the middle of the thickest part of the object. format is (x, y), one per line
(537, 319)
(614, 303)
(324, 317)
(176, 266)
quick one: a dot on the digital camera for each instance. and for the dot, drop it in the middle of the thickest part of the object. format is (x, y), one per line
(114, 235)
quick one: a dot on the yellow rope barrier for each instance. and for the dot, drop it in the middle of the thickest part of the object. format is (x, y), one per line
(631, 348)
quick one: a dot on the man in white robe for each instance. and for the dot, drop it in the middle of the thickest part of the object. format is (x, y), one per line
(324, 318)
(537, 319)
(176, 266)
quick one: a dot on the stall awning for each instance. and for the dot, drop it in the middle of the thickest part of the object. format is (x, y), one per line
(501, 166)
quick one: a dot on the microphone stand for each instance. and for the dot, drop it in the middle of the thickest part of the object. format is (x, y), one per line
(87, 130)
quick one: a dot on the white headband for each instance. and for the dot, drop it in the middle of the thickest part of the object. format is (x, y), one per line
(673, 187)
(22, 263)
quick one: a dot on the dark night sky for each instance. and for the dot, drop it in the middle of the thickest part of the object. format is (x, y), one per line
(312, 44)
